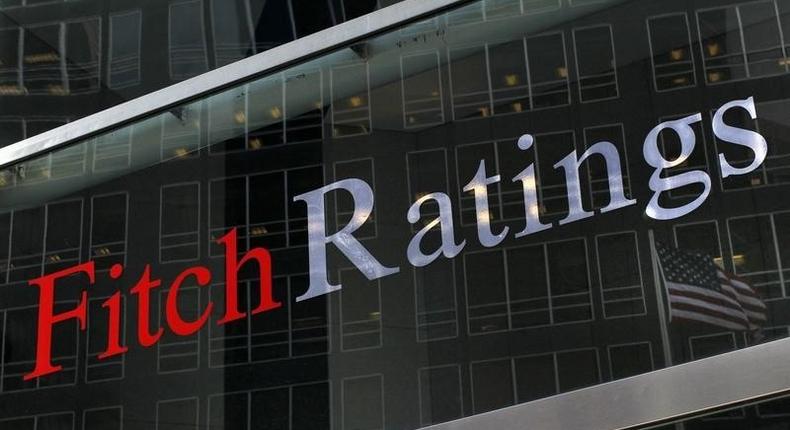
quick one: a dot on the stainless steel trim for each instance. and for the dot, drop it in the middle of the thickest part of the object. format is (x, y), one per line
(223, 77)
(651, 398)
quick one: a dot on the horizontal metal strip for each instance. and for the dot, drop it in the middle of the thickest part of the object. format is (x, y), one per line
(667, 394)
(226, 76)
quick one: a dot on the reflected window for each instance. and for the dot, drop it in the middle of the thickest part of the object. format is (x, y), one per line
(20, 349)
(83, 54)
(295, 407)
(108, 230)
(740, 42)
(622, 289)
(701, 237)
(466, 15)
(177, 353)
(630, 359)
(670, 50)
(304, 106)
(548, 70)
(27, 244)
(10, 62)
(124, 51)
(548, 285)
(179, 237)
(504, 382)
(350, 100)
(177, 414)
(112, 151)
(261, 207)
(43, 62)
(422, 90)
(757, 253)
(181, 132)
(311, 16)
(102, 418)
(59, 421)
(596, 67)
(12, 130)
(187, 40)
(469, 82)
(265, 112)
(63, 242)
(286, 332)
(363, 402)
(502, 8)
(102, 369)
(436, 307)
(441, 398)
(232, 30)
(360, 311)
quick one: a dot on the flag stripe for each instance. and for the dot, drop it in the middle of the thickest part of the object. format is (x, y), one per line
(725, 313)
(696, 316)
(704, 294)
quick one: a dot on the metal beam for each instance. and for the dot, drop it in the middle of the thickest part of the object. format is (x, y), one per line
(664, 395)
(227, 76)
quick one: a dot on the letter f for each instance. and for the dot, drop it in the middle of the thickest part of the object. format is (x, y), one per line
(47, 317)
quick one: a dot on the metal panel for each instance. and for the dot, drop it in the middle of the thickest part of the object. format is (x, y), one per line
(660, 396)
(223, 77)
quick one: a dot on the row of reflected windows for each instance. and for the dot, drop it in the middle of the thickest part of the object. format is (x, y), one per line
(62, 58)
(493, 384)
(512, 288)
(737, 42)
(239, 129)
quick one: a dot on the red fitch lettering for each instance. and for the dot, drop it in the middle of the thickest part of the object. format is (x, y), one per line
(264, 259)
(47, 318)
(142, 289)
(174, 320)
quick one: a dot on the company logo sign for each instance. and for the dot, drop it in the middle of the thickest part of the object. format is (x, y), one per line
(319, 239)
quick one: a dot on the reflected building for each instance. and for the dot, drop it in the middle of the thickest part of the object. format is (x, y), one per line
(411, 111)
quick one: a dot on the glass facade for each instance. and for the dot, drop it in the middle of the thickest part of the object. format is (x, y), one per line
(499, 203)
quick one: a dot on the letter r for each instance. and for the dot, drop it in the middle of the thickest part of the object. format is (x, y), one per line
(343, 240)
(47, 317)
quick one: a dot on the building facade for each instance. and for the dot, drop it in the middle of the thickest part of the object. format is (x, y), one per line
(355, 215)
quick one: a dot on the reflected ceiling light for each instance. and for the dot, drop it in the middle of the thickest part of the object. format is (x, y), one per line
(677, 54)
(57, 90)
(714, 76)
(511, 80)
(275, 112)
(258, 231)
(713, 48)
(48, 57)
(10, 90)
(355, 101)
(517, 107)
(256, 143)
(562, 72)
(240, 117)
